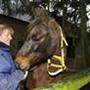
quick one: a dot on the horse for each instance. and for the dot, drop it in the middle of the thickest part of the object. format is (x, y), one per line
(43, 52)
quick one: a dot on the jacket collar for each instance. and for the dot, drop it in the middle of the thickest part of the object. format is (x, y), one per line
(3, 46)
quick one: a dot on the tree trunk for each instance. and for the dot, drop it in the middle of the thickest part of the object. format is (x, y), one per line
(81, 54)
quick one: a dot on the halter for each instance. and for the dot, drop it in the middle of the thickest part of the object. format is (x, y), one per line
(59, 58)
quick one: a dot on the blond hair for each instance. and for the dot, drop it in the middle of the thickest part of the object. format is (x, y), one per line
(4, 27)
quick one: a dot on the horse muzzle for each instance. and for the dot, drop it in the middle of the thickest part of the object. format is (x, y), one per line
(22, 62)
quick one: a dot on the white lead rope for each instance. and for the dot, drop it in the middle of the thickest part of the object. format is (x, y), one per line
(25, 75)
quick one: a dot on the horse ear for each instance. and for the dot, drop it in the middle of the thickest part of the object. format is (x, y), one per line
(40, 12)
(40, 16)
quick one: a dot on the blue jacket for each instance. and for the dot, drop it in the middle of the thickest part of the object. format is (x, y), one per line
(10, 76)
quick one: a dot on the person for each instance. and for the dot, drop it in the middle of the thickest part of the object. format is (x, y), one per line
(10, 76)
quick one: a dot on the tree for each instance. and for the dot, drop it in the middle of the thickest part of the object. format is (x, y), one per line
(81, 57)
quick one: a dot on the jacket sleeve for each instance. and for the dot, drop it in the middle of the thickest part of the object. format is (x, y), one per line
(9, 81)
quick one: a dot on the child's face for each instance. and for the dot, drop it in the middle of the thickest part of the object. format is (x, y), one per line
(6, 37)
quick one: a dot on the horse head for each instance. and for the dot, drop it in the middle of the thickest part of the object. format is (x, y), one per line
(44, 41)
(41, 42)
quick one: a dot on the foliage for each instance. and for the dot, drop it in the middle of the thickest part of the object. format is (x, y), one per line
(66, 8)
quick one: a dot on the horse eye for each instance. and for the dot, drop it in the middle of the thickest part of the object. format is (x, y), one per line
(34, 38)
